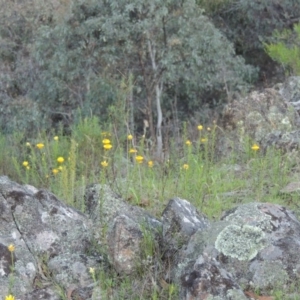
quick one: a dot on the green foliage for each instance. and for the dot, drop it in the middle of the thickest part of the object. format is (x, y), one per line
(286, 49)
(73, 59)
(250, 23)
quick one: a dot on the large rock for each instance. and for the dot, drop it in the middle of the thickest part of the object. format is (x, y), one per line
(180, 221)
(51, 242)
(127, 228)
(257, 243)
(256, 116)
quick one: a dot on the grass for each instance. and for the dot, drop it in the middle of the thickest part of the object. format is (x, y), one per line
(191, 170)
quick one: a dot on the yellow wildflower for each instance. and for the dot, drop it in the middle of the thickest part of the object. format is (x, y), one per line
(55, 171)
(107, 146)
(28, 144)
(188, 143)
(150, 163)
(10, 297)
(55, 138)
(200, 127)
(139, 159)
(40, 145)
(104, 164)
(129, 137)
(25, 163)
(203, 140)
(27, 168)
(11, 248)
(132, 151)
(60, 160)
(60, 168)
(255, 147)
(106, 142)
(185, 166)
(92, 270)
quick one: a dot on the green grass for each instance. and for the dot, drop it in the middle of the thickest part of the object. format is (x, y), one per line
(192, 171)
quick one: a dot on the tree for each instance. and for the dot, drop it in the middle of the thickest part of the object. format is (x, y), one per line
(157, 43)
(166, 42)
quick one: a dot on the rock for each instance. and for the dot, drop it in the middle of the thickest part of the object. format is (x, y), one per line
(290, 91)
(51, 242)
(254, 246)
(292, 187)
(207, 279)
(255, 116)
(257, 243)
(127, 228)
(180, 221)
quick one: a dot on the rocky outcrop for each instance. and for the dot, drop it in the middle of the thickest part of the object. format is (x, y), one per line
(269, 117)
(257, 243)
(253, 246)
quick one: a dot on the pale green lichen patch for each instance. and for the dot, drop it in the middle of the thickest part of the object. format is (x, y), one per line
(249, 214)
(241, 242)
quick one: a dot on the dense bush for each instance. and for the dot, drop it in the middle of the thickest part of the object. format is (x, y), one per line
(250, 23)
(103, 42)
(76, 60)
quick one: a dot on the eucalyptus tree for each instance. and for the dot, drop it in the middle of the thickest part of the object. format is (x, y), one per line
(166, 42)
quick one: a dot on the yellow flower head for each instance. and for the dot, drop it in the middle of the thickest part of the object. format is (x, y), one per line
(92, 270)
(255, 147)
(188, 143)
(106, 142)
(104, 164)
(25, 163)
(107, 146)
(185, 166)
(11, 248)
(10, 297)
(139, 159)
(129, 137)
(203, 140)
(55, 171)
(150, 163)
(60, 168)
(40, 145)
(132, 151)
(28, 144)
(200, 127)
(60, 160)
(55, 138)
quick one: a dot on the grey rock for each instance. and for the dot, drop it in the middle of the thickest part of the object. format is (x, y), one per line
(47, 234)
(127, 227)
(180, 221)
(207, 279)
(270, 118)
(257, 243)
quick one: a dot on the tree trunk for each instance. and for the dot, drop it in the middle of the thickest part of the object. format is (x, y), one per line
(158, 92)
(159, 148)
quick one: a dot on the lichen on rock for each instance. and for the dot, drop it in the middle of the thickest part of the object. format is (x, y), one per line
(241, 242)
